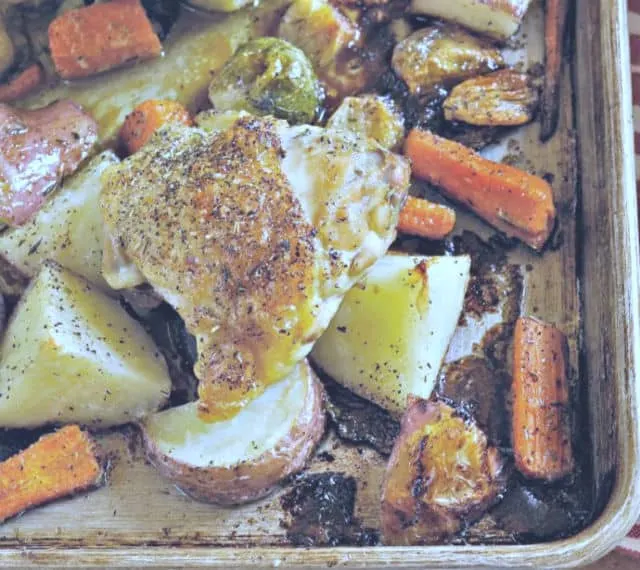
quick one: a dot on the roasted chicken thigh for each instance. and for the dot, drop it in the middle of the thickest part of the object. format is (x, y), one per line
(253, 234)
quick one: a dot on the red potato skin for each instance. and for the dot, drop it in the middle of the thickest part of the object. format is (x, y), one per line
(251, 480)
(407, 517)
(38, 149)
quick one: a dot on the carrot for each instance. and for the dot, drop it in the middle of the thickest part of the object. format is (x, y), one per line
(95, 38)
(554, 35)
(513, 201)
(22, 84)
(541, 435)
(147, 118)
(427, 219)
(56, 465)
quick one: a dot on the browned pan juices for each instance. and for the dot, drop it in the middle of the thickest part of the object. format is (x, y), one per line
(336, 502)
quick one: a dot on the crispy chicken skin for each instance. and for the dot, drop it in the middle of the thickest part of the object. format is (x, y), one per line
(253, 234)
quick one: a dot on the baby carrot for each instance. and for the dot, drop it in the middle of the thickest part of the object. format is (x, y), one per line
(513, 201)
(541, 436)
(56, 465)
(147, 118)
(95, 38)
(426, 219)
(22, 84)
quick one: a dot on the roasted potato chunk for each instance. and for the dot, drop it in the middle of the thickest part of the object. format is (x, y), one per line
(370, 116)
(504, 98)
(498, 18)
(441, 475)
(442, 55)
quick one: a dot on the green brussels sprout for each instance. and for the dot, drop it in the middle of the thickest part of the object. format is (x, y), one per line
(268, 76)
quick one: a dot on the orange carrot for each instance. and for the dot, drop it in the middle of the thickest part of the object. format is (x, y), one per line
(22, 84)
(541, 434)
(147, 118)
(554, 36)
(423, 218)
(56, 465)
(95, 38)
(513, 201)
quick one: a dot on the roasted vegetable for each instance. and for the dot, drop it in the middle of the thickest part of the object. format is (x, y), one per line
(442, 55)
(541, 435)
(498, 18)
(37, 149)
(22, 84)
(441, 475)
(555, 25)
(244, 458)
(99, 37)
(71, 354)
(370, 116)
(147, 118)
(268, 76)
(68, 228)
(503, 98)
(56, 465)
(389, 337)
(330, 40)
(420, 217)
(513, 201)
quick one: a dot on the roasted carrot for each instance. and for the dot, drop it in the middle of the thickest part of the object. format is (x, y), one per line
(22, 84)
(554, 35)
(56, 465)
(147, 118)
(515, 202)
(95, 38)
(423, 218)
(541, 435)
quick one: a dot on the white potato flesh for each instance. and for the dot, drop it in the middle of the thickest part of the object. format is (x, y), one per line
(68, 229)
(72, 354)
(391, 333)
(243, 458)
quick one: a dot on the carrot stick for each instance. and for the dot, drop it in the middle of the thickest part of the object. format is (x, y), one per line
(56, 465)
(22, 84)
(95, 38)
(147, 118)
(426, 219)
(554, 35)
(513, 201)
(541, 435)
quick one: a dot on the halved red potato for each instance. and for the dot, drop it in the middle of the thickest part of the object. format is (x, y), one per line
(441, 475)
(242, 459)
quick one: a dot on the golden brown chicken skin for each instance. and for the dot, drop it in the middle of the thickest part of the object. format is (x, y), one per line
(253, 234)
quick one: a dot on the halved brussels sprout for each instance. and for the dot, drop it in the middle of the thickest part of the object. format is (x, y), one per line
(268, 76)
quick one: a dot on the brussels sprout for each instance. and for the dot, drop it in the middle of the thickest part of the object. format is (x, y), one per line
(268, 76)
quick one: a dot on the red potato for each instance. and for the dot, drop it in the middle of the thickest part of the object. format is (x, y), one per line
(441, 474)
(241, 459)
(37, 150)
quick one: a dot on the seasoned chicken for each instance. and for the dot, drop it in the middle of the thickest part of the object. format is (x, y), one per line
(253, 234)
(498, 18)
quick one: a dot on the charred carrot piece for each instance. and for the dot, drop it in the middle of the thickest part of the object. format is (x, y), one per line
(426, 219)
(541, 435)
(147, 118)
(95, 38)
(22, 84)
(554, 35)
(513, 201)
(56, 465)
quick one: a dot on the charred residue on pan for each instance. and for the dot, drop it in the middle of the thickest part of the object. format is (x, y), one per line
(356, 420)
(319, 511)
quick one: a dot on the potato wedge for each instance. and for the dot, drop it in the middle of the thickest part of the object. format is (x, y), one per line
(389, 337)
(73, 355)
(497, 18)
(244, 458)
(68, 228)
(441, 475)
